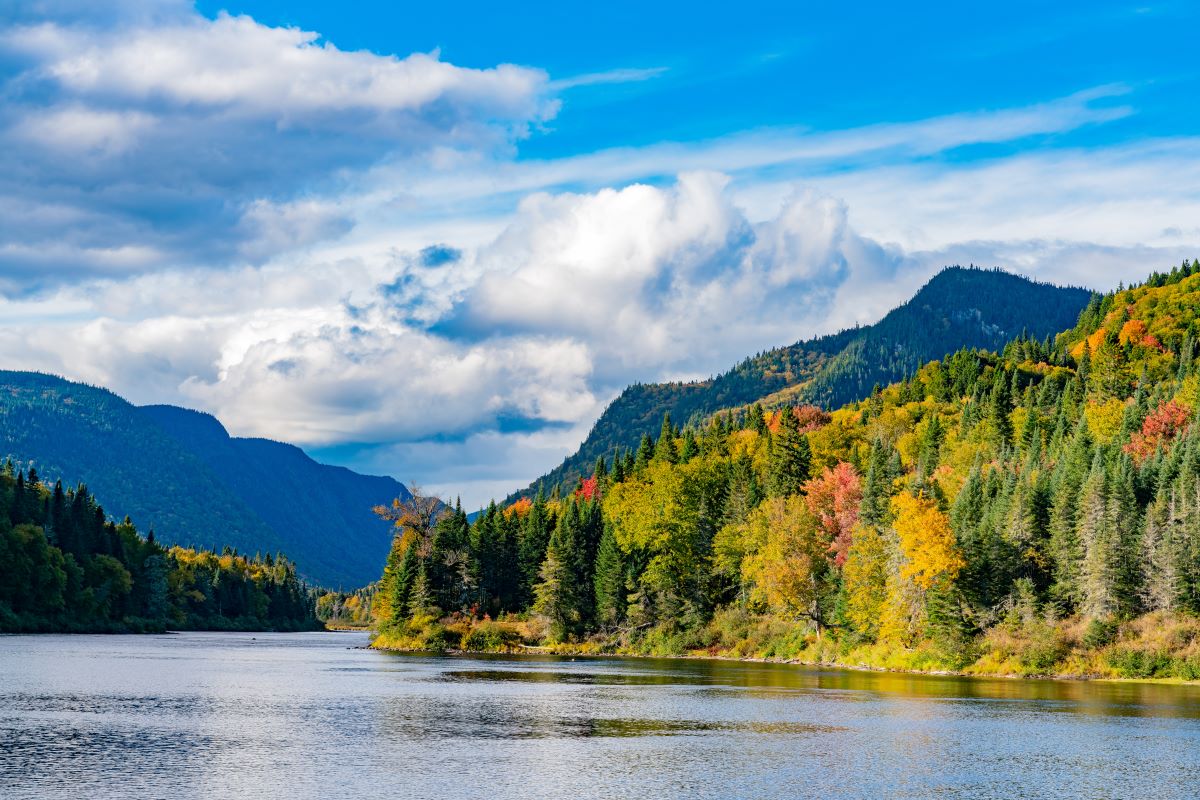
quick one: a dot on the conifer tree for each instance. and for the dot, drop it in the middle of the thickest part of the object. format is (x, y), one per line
(1098, 571)
(665, 451)
(557, 593)
(645, 453)
(609, 581)
(790, 457)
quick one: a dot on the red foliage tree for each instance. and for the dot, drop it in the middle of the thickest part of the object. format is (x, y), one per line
(809, 418)
(1161, 426)
(587, 488)
(834, 497)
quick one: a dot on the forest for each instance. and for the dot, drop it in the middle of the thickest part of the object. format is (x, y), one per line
(1029, 511)
(959, 307)
(64, 566)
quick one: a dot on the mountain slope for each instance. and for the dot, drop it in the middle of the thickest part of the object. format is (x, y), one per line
(180, 473)
(959, 307)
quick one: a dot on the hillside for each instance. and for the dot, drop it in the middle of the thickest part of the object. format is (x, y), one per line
(179, 473)
(960, 307)
(1030, 511)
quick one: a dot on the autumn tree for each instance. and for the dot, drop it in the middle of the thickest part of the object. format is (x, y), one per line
(788, 568)
(833, 498)
(414, 520)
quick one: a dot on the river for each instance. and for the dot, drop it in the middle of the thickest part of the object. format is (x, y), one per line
(295, 716)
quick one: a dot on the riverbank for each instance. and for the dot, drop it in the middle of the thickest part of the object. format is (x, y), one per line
(1157, 647)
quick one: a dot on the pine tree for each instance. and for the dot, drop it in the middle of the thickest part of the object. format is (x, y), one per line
(618, 468)
(557, 593)
(534, 538)
(645, 453)
(665, 451)
(790, 457)
(1162, 555)
(690, 448)
(756, 420)
(609, 581)
(877, 486)
(1098, 571)
(930, 447)
(1066, 547)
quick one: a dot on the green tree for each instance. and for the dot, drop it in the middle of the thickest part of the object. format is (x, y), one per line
(791, 457)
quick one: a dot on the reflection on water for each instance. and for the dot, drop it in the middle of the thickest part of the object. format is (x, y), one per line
(311, 715)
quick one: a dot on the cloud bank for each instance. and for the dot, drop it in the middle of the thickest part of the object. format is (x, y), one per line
(170, 139)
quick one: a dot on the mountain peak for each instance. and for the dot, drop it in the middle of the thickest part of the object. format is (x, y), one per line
(958, 307)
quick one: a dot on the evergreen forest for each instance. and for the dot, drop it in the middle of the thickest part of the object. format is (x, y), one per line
(64, 566)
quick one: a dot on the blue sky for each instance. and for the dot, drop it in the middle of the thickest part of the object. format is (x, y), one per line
(435, 242)
(720, 70)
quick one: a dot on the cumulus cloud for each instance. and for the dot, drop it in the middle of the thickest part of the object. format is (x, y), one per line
(175, 139)
(578, 296)
(666, 280)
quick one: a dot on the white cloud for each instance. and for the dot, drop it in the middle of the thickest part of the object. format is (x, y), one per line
(205, 141)
(475, 370)
(244, 68)
(631, 75)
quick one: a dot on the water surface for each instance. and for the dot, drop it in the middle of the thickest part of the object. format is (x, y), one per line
(310, 715)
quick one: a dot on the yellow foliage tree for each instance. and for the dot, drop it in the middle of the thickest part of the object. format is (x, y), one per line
(785, 569)
(866, 576)
(1104, 419)
(926, 541)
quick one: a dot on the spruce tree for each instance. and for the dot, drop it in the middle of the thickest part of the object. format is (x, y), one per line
(790, 457)
(1098, 572)
(645, 453)
(609, 581)
(557, 593)
(665, 451)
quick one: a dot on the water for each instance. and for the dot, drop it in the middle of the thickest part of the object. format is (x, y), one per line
(307, 715)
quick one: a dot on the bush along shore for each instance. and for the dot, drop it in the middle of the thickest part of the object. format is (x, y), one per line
(1154, 646)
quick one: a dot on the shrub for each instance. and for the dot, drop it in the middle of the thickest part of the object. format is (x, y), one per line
(1130, 663)
(492, 637)
(440, 638)
(1100, 632)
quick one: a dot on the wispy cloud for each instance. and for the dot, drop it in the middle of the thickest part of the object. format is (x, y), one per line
(608, 76)
(799, 152)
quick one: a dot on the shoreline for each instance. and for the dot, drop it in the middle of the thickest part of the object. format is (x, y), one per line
(941, 673)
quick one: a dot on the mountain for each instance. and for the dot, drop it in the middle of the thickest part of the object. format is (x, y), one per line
(180, 473)
(959, 307)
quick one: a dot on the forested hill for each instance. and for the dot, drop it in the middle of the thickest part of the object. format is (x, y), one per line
(960, 307)
(1030, 511)
(179, 473)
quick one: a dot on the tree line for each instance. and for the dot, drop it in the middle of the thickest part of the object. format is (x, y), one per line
(64, 566)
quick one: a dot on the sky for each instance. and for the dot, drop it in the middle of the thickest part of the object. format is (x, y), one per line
(436, 240)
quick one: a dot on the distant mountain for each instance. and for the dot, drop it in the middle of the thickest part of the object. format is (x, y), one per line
(180, 473)
(959, 307)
